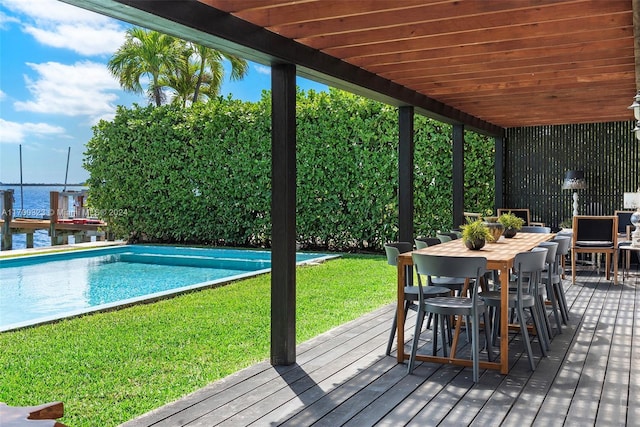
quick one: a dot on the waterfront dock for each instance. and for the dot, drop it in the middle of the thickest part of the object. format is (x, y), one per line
(61, 223)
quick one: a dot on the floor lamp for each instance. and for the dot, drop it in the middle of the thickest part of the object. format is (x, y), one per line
(574, 180)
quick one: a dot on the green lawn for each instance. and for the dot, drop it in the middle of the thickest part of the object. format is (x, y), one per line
(111, 367)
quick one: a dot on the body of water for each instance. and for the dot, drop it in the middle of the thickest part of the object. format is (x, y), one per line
(47, 287)
(35, 205)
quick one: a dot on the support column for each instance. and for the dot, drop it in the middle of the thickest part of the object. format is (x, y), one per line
(458, 175)
(405, 174)
(499, 173)
(283, 214)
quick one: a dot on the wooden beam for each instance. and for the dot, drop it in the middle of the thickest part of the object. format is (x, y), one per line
(196, 21)
(283, 214)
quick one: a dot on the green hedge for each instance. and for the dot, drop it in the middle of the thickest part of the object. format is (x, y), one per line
(202, 174)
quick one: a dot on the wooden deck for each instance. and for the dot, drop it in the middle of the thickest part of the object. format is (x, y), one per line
(591, 377)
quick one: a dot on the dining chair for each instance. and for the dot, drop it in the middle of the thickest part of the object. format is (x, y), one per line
(534, 229)
(624, 224)
(547, 279)
(472, 216)
(444, 237)
(594, 235)
(520, 213)
(456, 284)
(564, 243)
(423, 242)
(442, 307)
(527, 272)
(393, 250)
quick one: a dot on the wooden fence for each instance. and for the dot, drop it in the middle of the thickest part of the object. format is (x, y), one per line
(536, 159)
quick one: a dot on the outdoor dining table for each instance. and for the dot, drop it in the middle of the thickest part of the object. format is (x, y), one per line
(500, 256)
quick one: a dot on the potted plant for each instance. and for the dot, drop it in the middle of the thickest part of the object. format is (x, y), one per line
(495, 228)
(511, 223)
(475, 234)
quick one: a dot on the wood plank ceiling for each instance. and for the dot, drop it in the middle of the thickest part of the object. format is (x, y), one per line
(508, 62)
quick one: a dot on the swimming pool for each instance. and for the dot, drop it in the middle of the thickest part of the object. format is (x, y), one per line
(42, 288)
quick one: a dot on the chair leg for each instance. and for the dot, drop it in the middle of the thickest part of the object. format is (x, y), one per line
(563, 301)
(434, 341)
(525, 337)
(443, 331)
(416, 338)
(540, 332)
(495, 327)
(573, 267)
(475, 346)
(487, 333)
(545, 319)
(554, 304)
(392, 334)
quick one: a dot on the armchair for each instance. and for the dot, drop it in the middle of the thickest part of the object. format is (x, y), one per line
(523, 213)
(595, 234)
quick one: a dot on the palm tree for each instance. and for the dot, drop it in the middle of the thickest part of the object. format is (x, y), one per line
(194, 72)
(211, 59)
(183, 81)
(145, 53)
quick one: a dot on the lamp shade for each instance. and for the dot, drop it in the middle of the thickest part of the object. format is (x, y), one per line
(574, 180)
(632, 200)
(635, 106)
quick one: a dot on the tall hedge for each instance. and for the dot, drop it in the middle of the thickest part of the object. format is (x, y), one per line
(202, 174)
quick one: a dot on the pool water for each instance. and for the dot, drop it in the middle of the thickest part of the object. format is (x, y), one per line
(43, 288)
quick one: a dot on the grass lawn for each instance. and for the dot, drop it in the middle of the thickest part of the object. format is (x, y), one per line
(111, 367)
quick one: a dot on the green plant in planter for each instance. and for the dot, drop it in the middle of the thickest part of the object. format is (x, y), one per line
(511, 223)
(475, 234)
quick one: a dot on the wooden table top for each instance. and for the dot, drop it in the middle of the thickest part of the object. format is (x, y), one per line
(500, 251)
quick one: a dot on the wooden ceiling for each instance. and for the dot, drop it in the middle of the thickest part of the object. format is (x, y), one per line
(508, 63)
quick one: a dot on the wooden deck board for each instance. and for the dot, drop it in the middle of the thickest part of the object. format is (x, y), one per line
(591, 377)
(615, 390)
(633, 411)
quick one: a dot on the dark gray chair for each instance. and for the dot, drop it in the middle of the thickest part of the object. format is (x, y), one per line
(423, 242)
(535, 229)
(393, 250)
(528, 269)
(454, 283)
(547, 279)
(564, 244)
(441, 307)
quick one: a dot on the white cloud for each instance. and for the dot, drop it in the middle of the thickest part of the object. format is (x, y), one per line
(4, 20)
(60, 25)
(80, 38)
(82, 89)
(54, 11)
(15, 133)
(263, 69)
(3, 95)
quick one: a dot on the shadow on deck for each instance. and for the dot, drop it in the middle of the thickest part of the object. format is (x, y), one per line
(342, 377)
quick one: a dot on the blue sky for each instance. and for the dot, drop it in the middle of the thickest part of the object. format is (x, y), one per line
(54, 86)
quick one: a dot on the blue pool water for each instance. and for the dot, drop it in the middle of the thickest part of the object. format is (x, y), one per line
(42, 288)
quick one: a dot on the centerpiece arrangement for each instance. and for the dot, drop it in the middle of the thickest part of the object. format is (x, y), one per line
(475, 234)
(495, 228)
(511, 224)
